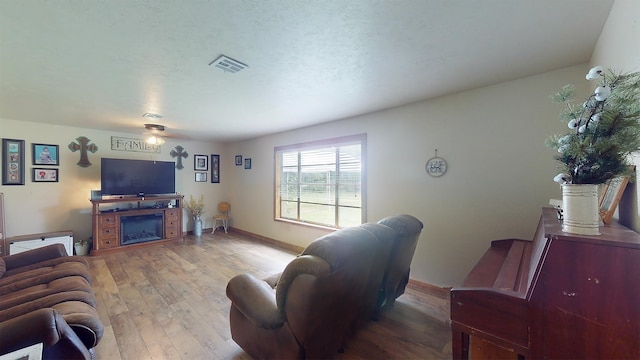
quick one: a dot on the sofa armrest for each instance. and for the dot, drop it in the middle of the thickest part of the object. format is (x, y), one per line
(42, 326)
(256, 300)
(33, 256)
(311, 265)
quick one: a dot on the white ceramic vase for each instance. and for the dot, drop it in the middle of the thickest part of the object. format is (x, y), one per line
(81, 249)
(580, 209)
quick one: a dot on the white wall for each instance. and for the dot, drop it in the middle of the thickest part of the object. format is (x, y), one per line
(499, 176)
(64, 205)
(499, 170)
(619, 48)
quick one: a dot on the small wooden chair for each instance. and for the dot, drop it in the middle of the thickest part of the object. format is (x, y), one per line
(222, 217)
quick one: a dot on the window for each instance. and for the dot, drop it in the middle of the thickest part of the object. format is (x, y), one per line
(322, 183)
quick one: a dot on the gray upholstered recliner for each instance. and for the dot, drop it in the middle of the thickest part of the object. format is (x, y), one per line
(324, 295)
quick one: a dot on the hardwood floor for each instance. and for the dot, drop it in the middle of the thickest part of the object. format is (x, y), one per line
(168, 302)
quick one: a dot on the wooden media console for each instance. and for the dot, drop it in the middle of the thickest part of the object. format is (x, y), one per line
(135, 222)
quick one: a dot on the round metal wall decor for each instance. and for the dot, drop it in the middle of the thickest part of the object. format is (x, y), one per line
(436, 166)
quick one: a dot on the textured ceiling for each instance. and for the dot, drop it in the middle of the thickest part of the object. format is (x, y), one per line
(102, 64)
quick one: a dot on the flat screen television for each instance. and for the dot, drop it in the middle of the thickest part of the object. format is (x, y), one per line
(137, 177)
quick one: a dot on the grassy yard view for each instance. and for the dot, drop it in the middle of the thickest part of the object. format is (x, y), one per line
(319, 206)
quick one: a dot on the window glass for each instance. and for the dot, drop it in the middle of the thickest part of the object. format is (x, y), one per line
(321, 183)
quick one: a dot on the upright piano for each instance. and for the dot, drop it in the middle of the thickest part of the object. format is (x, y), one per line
(558, 296)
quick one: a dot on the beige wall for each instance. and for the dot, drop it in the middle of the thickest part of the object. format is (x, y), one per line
(44, 207)
(619, 48)
(500, 172)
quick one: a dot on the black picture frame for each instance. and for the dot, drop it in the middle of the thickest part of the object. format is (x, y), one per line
(201, 176)
(200, 162)
(247, 163)
(238, 160)
(45, 154)
(44, 175)
(12, 162)
(215, 168)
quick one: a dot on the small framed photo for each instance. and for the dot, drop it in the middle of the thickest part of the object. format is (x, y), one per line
(12, 162)
(247, 163)
(45, 175)
(200, 162)
(238, 160)
(201, 176)
(215, 168)
(45, 154)
(610, 196)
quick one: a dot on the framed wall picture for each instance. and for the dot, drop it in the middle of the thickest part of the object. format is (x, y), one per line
(201, 176)
(238, 160)
(45, 154)
(45, 175)
(215, 168)
(200, 162)
(12, 162)
(610, 196)
(247, 163)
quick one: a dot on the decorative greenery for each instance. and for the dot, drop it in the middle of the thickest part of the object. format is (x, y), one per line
(196, 207)
(604, 130)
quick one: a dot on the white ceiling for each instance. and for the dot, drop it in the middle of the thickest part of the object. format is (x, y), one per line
(102, 64)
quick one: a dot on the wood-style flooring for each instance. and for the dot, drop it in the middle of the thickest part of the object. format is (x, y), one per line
(168, 302)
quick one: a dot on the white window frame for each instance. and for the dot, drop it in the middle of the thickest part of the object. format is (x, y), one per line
(321, 144)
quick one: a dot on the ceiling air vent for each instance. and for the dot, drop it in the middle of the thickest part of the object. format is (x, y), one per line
(228, 64)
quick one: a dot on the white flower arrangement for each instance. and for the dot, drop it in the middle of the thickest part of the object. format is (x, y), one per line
(604, 130)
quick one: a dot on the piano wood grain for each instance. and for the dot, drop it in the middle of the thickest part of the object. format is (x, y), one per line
(557, 296)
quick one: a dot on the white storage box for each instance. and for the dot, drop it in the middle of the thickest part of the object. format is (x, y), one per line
(18, 244)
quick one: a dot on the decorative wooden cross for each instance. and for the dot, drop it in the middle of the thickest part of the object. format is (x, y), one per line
(180, 154)
(83, 146)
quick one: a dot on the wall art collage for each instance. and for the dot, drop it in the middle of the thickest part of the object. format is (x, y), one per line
(44, 156)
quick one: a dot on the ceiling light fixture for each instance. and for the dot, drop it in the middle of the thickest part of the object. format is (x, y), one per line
(228, 64)
(155, 129)
(155, 140)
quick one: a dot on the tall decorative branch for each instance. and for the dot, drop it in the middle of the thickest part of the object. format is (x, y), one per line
(604, 130)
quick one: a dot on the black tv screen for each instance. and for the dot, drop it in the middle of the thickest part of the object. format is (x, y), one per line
(134, 177)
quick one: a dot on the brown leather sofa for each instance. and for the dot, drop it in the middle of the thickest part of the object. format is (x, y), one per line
(324, 295)
(46, 296)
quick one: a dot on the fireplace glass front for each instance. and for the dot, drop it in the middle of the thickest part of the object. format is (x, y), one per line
(141, 228)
